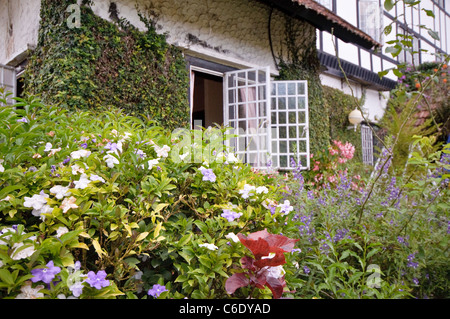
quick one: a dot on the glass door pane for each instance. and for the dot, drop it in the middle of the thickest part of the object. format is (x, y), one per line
(289, 124)
(246, 107)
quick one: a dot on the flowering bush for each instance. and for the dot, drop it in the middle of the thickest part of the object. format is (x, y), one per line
(328, 166)
(100, 208)
(104, 199)
(388, 241)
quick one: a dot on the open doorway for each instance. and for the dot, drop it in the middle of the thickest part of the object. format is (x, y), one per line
(207, 99)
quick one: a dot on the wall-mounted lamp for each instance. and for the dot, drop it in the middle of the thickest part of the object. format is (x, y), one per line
(355, 117)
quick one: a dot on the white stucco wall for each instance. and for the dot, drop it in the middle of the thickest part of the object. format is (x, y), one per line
(23, 15)
(233, 32)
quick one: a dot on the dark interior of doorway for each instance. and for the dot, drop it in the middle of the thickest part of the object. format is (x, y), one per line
(207, 100)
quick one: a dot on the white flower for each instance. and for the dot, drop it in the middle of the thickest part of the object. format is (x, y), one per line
(231, 158)
(53, 151)
(125, 136)
(209, 246)
(162, 151)
(27, 292)
(37, 201)
(232, 237)
(6, 237)
(76, 169)
(23, 252)
(60, 191)
(2, 169)
(262, 189)
(285, 207)
(245, 193)
(83, 182)
(275, 272)
(152, 163)
(61, 231)
(7, 198)
(48, 147)
(97, 178)
(182, 157)
(68, 203)
(80, 153)
(110, 160)
(46, 209)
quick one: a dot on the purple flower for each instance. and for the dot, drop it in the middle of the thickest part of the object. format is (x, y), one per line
(98, 280)
(306, 270)
(45, 274)
(112, 146)
(411, 263)
(67, 160)
(403, 240)
(77, 288)
(156, 290)
(23, 120)
(84, 145)
(208, 175)
(230, 215)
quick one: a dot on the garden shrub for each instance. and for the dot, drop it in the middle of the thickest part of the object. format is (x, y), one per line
(100, 195)
(96, 205)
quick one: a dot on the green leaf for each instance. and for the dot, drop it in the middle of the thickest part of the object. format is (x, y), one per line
(142, 236)
(388, 5)
(6, 277)
(434, 35)
(185, 239)
(429, 13)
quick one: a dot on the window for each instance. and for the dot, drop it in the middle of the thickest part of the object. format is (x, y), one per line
(8, 80)
(370, 18)
(410, 54)
(268, 118)
(367, 144)
(326, 3)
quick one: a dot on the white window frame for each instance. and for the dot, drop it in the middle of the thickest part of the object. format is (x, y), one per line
(253, 140)
(292, 133)
(8, 83)
(363, 8)
(367, 144)
(267, 150)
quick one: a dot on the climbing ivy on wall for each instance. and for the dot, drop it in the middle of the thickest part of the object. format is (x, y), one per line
(340, 105)
(106, 64)
(301, 62)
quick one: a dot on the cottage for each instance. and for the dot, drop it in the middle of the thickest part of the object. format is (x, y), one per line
(233, 51)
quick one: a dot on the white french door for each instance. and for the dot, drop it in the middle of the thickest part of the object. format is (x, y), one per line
(246, 105)
(268, 119)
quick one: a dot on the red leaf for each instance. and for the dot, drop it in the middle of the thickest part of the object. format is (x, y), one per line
(276, 260)
(236, 281)
(276, 285)
(261, 244)
(248, 263)
(258, 247)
